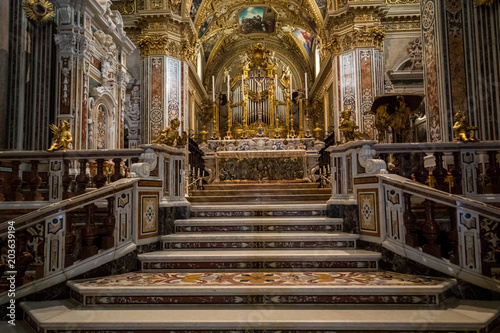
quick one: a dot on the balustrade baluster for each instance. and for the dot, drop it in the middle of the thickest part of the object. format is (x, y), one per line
(109, 224)
(457, 173)
(89, 233)
(440, 172)
(404, 169)
(452, 236)
(100, 179)
(430, 230)
(34, 182)
(409, 220)
(66, 180)
(69, 241)
(15, 183)
(117, 175)
(23, 257)
(493, 174)
(82, 180)
(421, 173)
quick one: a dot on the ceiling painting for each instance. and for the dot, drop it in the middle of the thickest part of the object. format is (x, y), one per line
(195, 6)
(205, 26)
(257, 20)
(305, 39)
(209, 44)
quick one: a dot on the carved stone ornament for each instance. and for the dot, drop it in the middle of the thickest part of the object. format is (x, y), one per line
(41, 11)
(483, 2)
(153, 44)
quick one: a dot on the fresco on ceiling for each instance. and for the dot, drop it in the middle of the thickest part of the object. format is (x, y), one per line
(309, 20)
(194, 8)
(304, 38)
(205, 26)
(322, 6)
(209, 45)
(257, 19)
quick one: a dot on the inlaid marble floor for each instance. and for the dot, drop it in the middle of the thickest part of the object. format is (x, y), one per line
(152, 280)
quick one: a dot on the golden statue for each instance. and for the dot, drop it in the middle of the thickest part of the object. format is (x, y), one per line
(182, 140)
(169, 135)
(61, 136)
(350, 129)
(463, 131)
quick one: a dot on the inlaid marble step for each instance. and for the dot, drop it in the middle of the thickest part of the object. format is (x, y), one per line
(261, 192)
(459, 316)
(250, 240)
(259, 260)
(261, 198)
(258, 210)
(258, 224)
(260, 185)
(262, 288)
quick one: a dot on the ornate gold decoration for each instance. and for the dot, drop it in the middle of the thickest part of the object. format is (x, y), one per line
(450, 181)
(182, 140)
(261, 169)
(61, 136)
(349, 128)
(317, 132)
(431, 181)
(204, 134)
(483, 2)
(41, 11)
(399, 121)
(169, 135)
(153, 44)
(369, 37)
(462, 129)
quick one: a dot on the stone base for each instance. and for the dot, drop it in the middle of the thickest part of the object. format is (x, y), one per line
(349, 213)
(167, 216)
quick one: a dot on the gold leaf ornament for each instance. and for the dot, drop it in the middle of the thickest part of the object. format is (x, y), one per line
(483, 2)
(41, 11)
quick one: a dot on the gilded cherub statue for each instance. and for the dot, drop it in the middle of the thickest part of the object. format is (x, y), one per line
(463, 131)
(182, 140)
(61, 138)
(169, 135)
(350, 129)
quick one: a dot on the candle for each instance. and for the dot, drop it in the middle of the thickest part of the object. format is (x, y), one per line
(306, 87)
(213, 89)
(228, 88)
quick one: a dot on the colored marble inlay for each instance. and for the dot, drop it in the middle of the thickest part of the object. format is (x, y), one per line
(260, 245)
(258, 228)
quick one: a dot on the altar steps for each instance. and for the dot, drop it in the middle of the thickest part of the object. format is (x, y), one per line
(260, 192)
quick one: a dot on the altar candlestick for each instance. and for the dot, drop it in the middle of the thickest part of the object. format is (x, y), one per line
(290, 86)
(213, 89)
(276, 86)
(307, 95)
(228, 87)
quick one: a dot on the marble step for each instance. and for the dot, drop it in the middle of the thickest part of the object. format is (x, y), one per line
(261, 198)
(258, 224)
(259, 260)
(69, 316)
(262, 288)
(260, 185)
(256, 209)
(261, 192)
(250, 240)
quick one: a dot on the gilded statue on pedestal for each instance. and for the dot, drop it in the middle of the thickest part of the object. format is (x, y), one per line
(169, 135)
(349, 128)
(462, 129)
(61, 138)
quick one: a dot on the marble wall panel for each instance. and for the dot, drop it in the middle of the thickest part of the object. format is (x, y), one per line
(369, 219)
(148, 214)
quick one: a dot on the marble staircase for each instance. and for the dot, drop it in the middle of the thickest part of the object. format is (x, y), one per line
(261, 268)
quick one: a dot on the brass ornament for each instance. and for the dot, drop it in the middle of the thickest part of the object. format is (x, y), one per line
(462, 129)
(483, 2)
(41, 11)
(349, 128)
(61, 138)
(169, 135)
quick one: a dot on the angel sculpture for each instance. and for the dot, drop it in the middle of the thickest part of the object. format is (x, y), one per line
(463, 131)
(169, 135)
(350, 129)
(61, 138)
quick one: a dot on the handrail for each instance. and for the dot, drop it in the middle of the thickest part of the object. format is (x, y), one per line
(414, 187)
(26, 220)
(67, 154)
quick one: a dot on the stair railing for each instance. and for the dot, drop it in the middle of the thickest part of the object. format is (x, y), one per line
(417, 218)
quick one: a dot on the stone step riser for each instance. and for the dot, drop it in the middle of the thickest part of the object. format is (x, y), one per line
(274, 265)
(261, 199)
(229, 193)
(257, 213)
(260, 245)
(257, 228)
(89, 300)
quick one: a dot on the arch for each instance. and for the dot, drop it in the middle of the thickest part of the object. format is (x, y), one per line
(102, 122)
